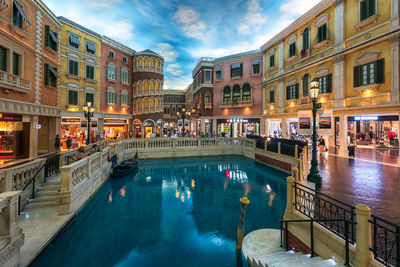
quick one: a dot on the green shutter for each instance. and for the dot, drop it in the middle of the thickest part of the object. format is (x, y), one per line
(106, 70)
(46, 35)
(46, 74)
(115, 98)
(241, 69)
(15, 64)
(297, 90)
(356, 76)
(106, 97)
(287, 93)
(120, 99)
(363, 9)
(3, 59)
(329, 83)
(380, 70)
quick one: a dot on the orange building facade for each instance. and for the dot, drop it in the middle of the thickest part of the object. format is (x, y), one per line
(29, 67)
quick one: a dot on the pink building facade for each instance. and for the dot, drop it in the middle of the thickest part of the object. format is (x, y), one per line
(238, 95)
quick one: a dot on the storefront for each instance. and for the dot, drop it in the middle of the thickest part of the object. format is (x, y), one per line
(238, 127)
(372, 130)
(148, 128)
(14, 138)
(116, 128)
(137, 128)
(76, 129)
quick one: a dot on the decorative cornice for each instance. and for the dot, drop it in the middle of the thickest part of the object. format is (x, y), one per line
(19, 107)
(49, 14)
(110, 42)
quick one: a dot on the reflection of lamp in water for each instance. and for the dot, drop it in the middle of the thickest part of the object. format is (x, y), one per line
(148, 179)
(182, 187)
(122, 191)
(110, 197)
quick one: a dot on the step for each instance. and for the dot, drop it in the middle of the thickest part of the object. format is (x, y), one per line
(35, 205)
(263, 257)
(329, 262)
(43, 199)
(47, 193)
(297, 258)
(50, 188)
(52, 183)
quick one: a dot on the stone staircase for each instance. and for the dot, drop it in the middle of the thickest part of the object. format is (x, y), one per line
(282, 258)
(47, 194)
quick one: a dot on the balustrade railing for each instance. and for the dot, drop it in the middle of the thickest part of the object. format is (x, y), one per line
(14, 81)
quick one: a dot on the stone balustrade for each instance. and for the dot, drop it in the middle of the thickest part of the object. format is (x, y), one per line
(11, 236)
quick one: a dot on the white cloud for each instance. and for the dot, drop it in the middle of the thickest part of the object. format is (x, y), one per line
(167, 51)
(100, 4)
(177, 82)
(253, 20)
(190, 22)
(292, 9)
(174, 69)
(122, 30)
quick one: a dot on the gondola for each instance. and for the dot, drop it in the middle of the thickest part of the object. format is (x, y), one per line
(126, 167)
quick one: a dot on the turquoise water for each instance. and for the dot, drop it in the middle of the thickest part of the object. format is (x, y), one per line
(171, 212)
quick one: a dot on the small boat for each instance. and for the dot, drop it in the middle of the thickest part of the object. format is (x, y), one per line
(126, 167)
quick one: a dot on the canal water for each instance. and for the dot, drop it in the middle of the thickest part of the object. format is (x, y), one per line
(171, 212)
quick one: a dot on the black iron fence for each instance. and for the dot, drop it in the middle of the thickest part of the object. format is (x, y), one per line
(288, 147)
(330, 212)
(52, 165)
(385, 241)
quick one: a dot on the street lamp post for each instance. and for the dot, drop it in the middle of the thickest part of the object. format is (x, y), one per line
(182, 115)
(89, 112)
(314, 175)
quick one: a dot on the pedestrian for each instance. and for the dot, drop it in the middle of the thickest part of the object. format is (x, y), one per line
(321, 145)
(57, 143)
(69, 141)
(80, 153)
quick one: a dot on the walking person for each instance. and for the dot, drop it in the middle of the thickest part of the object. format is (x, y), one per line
(321, 145)
(69, 141)
(57, 143)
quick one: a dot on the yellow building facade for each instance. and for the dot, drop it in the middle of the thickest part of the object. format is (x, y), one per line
(80, 61)
(352, 48)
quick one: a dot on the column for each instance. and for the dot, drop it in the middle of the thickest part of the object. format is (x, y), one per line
(281, 96)
(263, 127)
(394, 14)
(52, 132)
(281, 55)
(343, 128)
(284, 128)
(100, 127)
(235, 124)
(363, 236)
(394, 52)
(215, 128)
(339, 22)
(339, 82)
(398, 138)
(33, 137)
(203, 125)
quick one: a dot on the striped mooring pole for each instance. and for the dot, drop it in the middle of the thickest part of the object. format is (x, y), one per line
(244, 201)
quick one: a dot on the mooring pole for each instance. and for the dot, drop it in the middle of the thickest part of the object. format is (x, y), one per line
(244, 201)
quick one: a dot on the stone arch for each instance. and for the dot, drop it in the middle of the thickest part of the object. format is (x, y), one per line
(158, 63)
(140, 85)
(152, 84)
(146, 85)
(158, 84)
(158, 102)
(140, 105)
(146, 61)
(140, 62)
(152, 62)
(152, 104)
(146, 104)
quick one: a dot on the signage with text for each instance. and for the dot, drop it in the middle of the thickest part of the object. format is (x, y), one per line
(115, 121)
(366, 118)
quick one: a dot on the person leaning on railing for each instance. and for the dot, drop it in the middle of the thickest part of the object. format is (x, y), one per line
(80, 153)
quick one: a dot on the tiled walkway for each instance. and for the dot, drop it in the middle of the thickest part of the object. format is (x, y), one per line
(363, 181)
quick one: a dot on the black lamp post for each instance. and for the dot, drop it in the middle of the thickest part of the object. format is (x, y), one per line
(182, 115)
(314, 175)
(89, 111)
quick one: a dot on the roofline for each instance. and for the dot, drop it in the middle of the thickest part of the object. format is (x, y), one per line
(52, 16)
(149, 53)
(322, 5)
(117, 45)
(248, 53)
(80, 27)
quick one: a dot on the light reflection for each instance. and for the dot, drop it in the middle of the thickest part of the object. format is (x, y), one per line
(122, 191)
(110, 197)
(148, 179)
(271, 199)
(268, 189)
(183, 197)
(193, 184)
(177, 193)
(188, 194)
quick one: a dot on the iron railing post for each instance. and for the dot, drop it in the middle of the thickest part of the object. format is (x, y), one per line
(312, 238)
(374, 236)
(346, 235)
(33, 187)
(286, 237)
(398, 245)
(352, 225)
(19, 205)
(281, 225)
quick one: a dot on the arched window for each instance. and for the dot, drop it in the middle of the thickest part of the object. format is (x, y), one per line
(140, 105)
(236, 93)
(146, 104)
(146, 85)
(227, 96)
(306, 81)
(152, 84)
(246, 94)
(207, 98)
(306, 39)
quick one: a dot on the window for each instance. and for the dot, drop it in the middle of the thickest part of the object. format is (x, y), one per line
(322, 33)
(256, 66)
(50, 75)
(370, 73)
(124, 59)
(306, 82)
(271, 96)
(236, 93)
(111, 54)
(90, 47)
(111, 72)
(50, 38)
(74, 40)
(218, 73)
(227, 97)
(89, 97)
(111, 98)
(292, 49)
(72, 97)
(325, 84)
(73, 68)
(292, 91)
(3, 59)
(272, 61)
(124, 99)
(236, 70)
(367, 9)
(207, 75)
(17, 16)
(90, 72)
(16, 64)
(124, 76)
(306, 38)
(207, 98)
(246, 94)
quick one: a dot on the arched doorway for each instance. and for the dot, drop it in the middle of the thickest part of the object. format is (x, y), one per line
(159, 127)
(137, 128)
(148, 128)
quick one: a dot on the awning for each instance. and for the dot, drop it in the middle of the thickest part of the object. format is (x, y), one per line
(53, 36)
(218, 68)
(4, 3)
(91, 46)
(74, 39)
(22, 12)
(236, 65)
(255, 61)
(54, 71)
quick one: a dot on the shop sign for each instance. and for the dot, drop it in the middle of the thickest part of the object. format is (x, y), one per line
(366, 118)
(325, 122)
(9, 117)
(71, 120)
(115, 121)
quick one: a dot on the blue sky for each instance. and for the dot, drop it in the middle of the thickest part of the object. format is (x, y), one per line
(184, 31)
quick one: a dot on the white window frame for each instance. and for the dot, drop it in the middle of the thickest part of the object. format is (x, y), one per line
(127, 61)
(108, 54)
(205, 75)
(75, 90)
(94, 71)
(359, 10)
(69, 45)
(89, 41)
(79, 63)
(108, 72)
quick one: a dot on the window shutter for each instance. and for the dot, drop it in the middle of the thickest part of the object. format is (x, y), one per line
(106, 98)
(241, 69)
(363, 9)
(329, 83)
(287, 93)
(46, 74)
(231, 71)
(70, 97)
(297, 90)
(356, 76)
(106, 72)
(120, 99)
(46, 35)
(380, 70)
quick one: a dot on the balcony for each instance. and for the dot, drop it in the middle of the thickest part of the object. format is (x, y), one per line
(13, 82)
(208, 105)
(240, 104)
(147, 68)
(304, 54)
